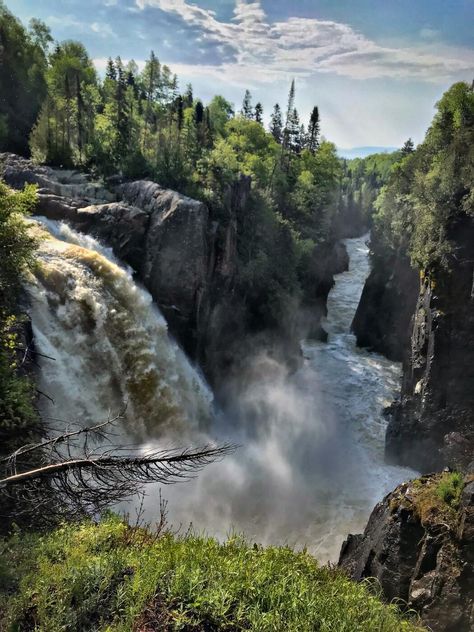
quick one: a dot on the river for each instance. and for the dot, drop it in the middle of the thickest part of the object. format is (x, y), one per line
(309, 466)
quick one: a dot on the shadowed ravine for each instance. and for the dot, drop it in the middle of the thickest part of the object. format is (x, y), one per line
(310, 465)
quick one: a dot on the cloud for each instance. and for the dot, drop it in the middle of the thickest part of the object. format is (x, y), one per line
(70, 22)
(254, 47)
(102, 29)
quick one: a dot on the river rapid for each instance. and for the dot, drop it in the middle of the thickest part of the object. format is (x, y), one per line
(309, 466)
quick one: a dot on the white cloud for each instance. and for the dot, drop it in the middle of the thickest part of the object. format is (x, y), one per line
(70, 22)
(301, 47)
(102, 29)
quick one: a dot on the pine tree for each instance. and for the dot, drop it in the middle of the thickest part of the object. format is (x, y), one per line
(289, 114)
(314, 130)
(408, 147)
(188, 97)
(122, 114)
(276, 123)
(246, 110)
(180, 112)
(293, 132)
(198, 113)
(110, 72)
(259, 113)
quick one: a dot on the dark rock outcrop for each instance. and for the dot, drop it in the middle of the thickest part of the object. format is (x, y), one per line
(433, 424)
(383, 318)
(420, 551)
(187, 259)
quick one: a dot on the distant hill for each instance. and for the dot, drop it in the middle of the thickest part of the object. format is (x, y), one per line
(362, 152)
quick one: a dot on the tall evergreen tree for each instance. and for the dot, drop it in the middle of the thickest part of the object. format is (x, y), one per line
(276, 123)
(293, 131)
(314, 130)
(258, 115)
(408, 147)
(246, 110)
(110, 71)
(287, 132)
(188, 98)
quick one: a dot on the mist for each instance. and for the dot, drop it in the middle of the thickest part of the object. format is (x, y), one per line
(309, 466)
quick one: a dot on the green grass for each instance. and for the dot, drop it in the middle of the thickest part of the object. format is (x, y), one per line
(450, 487)
(111, 577)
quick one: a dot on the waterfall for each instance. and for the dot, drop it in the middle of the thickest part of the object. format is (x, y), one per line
(108, 341)
(310, 466)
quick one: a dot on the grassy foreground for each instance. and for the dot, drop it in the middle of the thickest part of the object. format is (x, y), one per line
(112, 577)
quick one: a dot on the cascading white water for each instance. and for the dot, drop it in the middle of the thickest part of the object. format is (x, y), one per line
(310, 466)
(109, 343)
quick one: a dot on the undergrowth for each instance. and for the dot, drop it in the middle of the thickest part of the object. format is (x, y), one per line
(111, 577)
(434, 498)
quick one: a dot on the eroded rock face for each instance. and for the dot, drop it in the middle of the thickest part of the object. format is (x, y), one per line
(175, 254)
(383, 318)
(426, 560)
(433, 425)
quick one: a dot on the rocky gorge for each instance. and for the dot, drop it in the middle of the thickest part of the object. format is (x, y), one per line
(188, 262)
(185, 257)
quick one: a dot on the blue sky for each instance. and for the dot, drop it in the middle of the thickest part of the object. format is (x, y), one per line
(374, 67)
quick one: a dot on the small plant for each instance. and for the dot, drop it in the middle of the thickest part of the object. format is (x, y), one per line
(449, 488)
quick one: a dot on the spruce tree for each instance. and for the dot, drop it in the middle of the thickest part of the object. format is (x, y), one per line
(408, 147)
(289, 114)
(276, 123)
(110, 71)
(259, 113)
(314, 130)
(246, 110)
(188, 97)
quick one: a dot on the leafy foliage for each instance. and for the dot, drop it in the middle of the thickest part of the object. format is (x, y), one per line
(432, 185)
(18, 418)
(113, 577)
(22, 69)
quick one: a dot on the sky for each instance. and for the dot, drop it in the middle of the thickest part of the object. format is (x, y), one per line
(375, 68)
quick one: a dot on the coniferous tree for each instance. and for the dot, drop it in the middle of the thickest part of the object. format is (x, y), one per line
(276, 123)
(246, 110)
(314, 130)
(188, 97)
(289, 114)
(408, 147)
(110, 71)
(198, 113)
(293, 132)
(259, 113)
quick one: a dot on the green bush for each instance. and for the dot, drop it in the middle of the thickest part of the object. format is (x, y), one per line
(112, 577)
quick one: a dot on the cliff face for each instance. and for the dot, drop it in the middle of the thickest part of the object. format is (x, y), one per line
(433, 424)
(185, 257)
(419, 547)
(383, 318)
